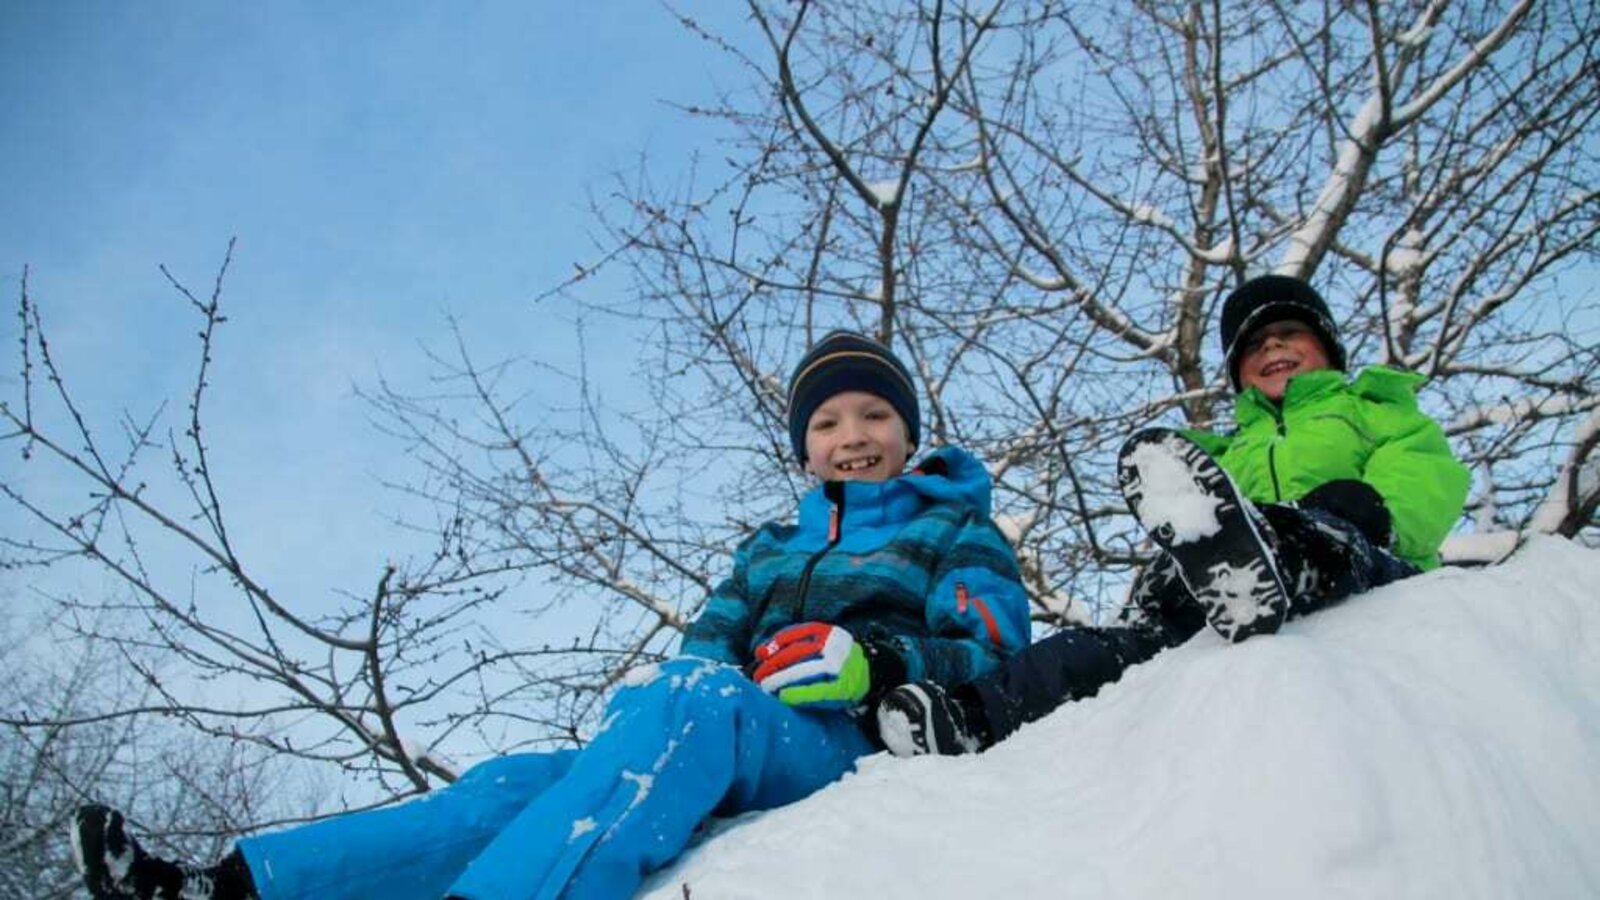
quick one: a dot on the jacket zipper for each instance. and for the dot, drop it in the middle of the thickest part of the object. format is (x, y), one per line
(1272, 454)
(834, 491)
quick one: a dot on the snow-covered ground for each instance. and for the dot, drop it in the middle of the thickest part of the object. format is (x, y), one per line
(1438, 738)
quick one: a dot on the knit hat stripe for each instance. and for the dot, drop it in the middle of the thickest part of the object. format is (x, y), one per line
(837, 355)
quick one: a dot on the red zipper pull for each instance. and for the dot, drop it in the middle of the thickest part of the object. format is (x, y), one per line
(961, 597)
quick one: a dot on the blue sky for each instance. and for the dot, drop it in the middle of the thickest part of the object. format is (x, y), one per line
(381, 164)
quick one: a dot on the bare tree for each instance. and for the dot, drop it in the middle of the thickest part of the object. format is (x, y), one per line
(186, 792)
(1040, 204)
(362, 687)
(1043, 204)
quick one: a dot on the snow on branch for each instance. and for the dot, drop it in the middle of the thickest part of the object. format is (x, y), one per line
(1474, 58)
(1572, 499)
(1519, 410)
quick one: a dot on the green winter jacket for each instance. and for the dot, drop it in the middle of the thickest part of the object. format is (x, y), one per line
(1368, 428)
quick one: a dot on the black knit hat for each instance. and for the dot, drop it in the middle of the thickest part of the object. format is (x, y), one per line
(1273, 298)
(846, 361)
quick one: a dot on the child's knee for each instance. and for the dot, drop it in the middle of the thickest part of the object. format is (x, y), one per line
(681, 693)
(682, 678)
(510, 772)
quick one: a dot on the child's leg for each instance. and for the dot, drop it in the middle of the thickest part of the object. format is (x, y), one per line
(923, 718)
(1159, 599)
(410, 850)
(1069, 665)
(1328, 558)
(697, 738)
(1221, 543)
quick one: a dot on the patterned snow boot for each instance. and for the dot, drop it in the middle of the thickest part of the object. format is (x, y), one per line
(1221, 543)
(1159, 599)
(115, 867)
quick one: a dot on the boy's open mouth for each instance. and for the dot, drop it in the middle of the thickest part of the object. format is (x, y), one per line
(856, 465)
(1277, 366)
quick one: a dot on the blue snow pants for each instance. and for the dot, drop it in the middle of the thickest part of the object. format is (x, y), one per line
(691, 739)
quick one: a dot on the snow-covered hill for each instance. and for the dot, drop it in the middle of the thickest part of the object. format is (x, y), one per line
(1438, 738)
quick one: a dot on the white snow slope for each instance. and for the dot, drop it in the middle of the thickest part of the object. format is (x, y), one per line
(1436, 738)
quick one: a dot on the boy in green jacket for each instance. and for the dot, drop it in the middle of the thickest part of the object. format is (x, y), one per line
(1328, 487)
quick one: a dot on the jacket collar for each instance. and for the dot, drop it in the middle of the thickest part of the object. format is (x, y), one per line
(1253, 405)
(949, 475)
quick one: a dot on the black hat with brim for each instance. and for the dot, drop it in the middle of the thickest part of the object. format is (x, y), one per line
(1262, 301)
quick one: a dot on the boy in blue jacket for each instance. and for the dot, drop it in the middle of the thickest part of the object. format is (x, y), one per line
(1329, 486)
(886, 577)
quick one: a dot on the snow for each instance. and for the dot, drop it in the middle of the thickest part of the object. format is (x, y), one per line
(1415, 36)
(1171, 496)
(900, 734)
(1585, 471)
(1218, 255)
(640, 676)
(1407, 256)
(1150, 215)
(895, 727)
(420, 753)
(642, 783)
(885, 192)
(1436, 738)
(1240, 590)
(77, 848)
(1339, 184)
(1483, 546)
(1012, 527)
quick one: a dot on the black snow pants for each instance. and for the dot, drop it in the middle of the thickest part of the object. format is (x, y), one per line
(1323, 559)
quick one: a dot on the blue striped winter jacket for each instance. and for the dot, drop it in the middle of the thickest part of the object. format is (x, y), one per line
(913, 565)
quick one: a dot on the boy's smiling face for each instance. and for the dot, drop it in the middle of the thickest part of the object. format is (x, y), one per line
(1275, 352)
(856, 436)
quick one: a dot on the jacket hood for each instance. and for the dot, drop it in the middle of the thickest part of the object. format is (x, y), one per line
(1388, 385)
(952, 475)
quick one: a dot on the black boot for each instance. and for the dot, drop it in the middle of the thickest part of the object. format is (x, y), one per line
(1158, 599)
(1221, 543)
(923, 718)
(115, 867)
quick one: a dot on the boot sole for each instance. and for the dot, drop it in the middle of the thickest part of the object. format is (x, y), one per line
(1191, 508)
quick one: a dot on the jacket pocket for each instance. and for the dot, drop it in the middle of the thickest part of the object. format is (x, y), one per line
(963, 599)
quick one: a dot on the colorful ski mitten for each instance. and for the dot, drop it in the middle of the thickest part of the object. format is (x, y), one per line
(115, 867)
(1220, 541)
(922, 718)
(814, 664)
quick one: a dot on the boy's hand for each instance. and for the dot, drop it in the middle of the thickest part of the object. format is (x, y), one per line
(814, 664)
(1355, 502)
